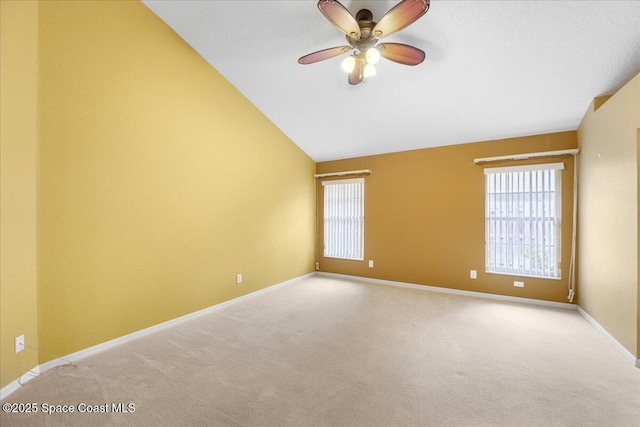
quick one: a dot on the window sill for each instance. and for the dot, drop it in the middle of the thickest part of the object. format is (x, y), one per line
(346, 259)
(523, 275)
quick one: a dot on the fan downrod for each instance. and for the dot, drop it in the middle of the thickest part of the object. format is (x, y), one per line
(364, 15)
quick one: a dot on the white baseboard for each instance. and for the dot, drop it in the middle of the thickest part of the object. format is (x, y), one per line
(454, 291)
(622, 349)
(13, 386)
(626, 353)
(147, 331)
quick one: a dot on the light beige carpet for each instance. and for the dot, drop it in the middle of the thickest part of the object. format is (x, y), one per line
(326, 352)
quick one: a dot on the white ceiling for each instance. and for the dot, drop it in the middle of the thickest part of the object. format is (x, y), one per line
(493, 69)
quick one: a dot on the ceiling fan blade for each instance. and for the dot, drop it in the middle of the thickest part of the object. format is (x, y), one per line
(321, 55)
(401, 53)
(357, 75)
(341, 17)
(400, 16)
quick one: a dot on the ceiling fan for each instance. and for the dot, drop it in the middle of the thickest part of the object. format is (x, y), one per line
(363, 35)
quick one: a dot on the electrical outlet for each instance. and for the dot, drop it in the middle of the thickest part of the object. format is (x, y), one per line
(238, 278)
(317, 266)
(518, 284)
(19, 343)
(473, 274)
(371, 263)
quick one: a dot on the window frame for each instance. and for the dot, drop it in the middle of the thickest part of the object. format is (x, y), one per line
(490, 267)
(359, 212)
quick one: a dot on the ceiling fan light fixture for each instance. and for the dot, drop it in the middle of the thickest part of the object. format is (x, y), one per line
(362, 34)
(373, 56)
(348, 64)
(369, 70)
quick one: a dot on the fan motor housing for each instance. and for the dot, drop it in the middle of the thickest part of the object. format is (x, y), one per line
(366, 24)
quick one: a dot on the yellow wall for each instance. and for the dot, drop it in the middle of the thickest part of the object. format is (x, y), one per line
(608, 209)
(157, 180)
(424, 216)
(18, 133)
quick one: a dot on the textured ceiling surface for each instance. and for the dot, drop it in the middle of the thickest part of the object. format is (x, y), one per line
(493, 69)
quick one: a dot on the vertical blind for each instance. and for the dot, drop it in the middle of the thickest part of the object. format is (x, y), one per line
(344, 218)
(523, 214)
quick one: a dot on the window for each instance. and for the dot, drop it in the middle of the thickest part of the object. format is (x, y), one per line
(522, 214)
(344, 218)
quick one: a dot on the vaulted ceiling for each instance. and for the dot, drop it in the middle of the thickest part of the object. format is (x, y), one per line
(493, 69)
